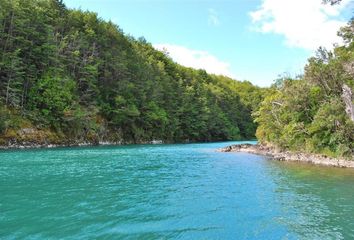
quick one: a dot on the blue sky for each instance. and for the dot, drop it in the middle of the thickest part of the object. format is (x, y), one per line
(253, 40)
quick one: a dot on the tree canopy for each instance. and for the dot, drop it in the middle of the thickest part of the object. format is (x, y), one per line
(314, 113)
(79, 78)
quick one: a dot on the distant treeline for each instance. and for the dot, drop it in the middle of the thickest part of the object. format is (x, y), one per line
(66, 75)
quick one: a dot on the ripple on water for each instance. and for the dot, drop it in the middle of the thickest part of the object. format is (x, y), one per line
(170, 191)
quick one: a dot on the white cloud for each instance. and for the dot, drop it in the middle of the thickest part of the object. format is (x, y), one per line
(213, 17)
(306, 24)
(196, 59)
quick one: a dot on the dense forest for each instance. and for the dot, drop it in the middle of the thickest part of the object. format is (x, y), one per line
(67, 76)
(314, 113)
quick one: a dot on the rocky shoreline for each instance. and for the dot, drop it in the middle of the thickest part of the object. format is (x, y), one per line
(32, 145)
(276, 154)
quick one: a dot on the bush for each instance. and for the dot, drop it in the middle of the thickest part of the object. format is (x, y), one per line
(52, 97)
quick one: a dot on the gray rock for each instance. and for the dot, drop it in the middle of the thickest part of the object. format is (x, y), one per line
(279, 155)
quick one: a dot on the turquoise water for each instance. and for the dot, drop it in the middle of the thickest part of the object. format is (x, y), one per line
(169, 192)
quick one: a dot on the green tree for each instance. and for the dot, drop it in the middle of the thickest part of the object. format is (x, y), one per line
(52, 96)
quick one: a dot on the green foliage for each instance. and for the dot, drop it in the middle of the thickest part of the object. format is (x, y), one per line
(52, 97)
(331, 130)
(80, 76)
(4, 116)
(309, 114)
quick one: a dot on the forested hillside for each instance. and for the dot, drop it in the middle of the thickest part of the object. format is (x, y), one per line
(68, 76)
(315, 112)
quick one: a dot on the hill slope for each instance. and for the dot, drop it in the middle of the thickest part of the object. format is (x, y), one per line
(67, 76)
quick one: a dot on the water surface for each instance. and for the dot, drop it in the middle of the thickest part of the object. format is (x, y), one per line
(170, 192)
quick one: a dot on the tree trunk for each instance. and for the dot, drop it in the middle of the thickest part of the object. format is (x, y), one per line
(347, 97)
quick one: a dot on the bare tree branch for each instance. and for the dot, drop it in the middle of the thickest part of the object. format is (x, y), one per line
(332, 2)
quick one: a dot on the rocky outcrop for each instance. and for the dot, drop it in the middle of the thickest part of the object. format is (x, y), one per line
(276, 154)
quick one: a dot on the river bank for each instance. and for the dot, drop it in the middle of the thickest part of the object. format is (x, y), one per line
(276, 154)
(77, 144)
(41, 144)
(30, 145)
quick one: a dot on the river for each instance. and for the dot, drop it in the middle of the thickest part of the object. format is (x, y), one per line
(180, 191)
